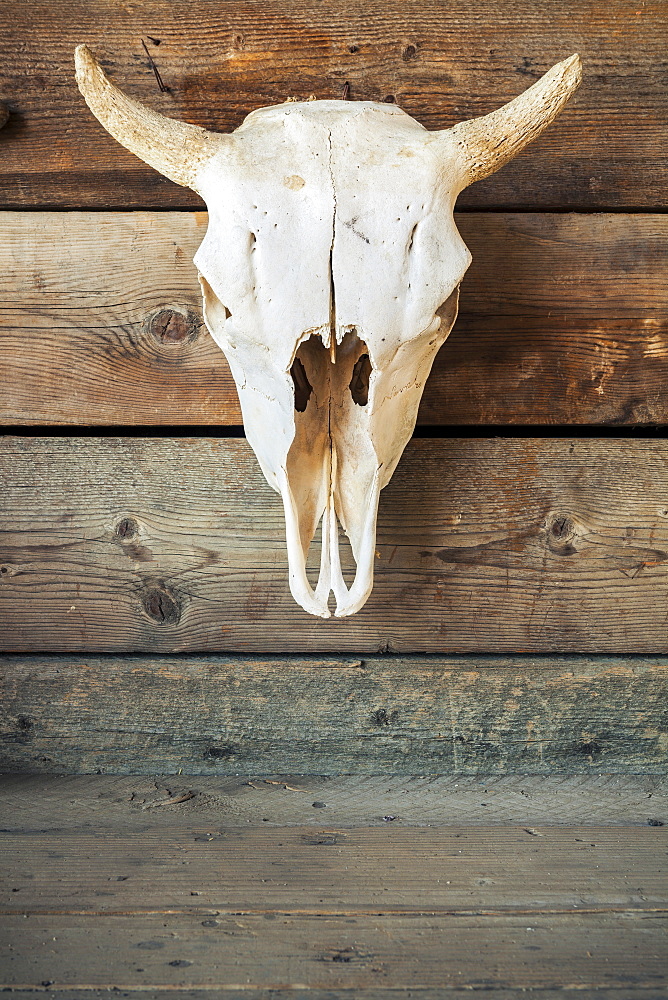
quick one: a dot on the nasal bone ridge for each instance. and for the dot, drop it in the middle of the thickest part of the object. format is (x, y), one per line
(330, 578)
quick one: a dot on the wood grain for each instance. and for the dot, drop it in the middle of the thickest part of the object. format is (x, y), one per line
(441, 63)
(128, 884)
(307, 870)
(61, 804)
(336, 953)
(143, 715)
(501, 545)
(641, 992)
(563, 319)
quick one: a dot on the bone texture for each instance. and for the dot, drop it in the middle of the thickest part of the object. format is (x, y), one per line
(330, 276)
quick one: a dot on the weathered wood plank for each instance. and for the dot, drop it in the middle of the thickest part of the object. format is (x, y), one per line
(563, 319)
(60, 804)
(334, 872)
(642, 992)
(337, 953)
(499, 545)
(408, 716)
(441, 63)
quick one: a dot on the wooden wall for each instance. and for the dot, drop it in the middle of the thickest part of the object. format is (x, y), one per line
(143, 570)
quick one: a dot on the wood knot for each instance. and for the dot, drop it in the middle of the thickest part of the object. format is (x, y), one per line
(220, 752)
(381, 717)
(409, 52)
(161, 605)
(561, 532)
(127, 527)
(173, 326)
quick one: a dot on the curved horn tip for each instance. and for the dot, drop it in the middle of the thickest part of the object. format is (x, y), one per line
(84, 60)
(570, 69)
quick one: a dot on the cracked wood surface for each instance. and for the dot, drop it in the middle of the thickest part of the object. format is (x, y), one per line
(440, 64)
(562, 320)
(175, 545)
(468, 715)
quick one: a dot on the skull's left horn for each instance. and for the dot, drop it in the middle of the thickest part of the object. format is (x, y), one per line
(174, 148)
(485, 144)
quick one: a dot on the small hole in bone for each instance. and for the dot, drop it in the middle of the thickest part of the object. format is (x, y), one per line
(359, 383)
(303, 387)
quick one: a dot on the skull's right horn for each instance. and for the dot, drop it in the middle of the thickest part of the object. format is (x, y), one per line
(486, 144)
(174, 148)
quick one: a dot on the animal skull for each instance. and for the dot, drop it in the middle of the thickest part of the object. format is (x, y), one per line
(330, 275)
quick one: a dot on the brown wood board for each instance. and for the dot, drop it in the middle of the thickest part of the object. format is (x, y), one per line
(173, 545)
(532, 951)
(441, 63)
(311, 870)
(563, 319)
(147, 715)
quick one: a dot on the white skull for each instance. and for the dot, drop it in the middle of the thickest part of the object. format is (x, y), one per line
(330, 275)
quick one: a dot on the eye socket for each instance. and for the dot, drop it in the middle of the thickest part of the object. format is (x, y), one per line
(359, 383)
(303, 387)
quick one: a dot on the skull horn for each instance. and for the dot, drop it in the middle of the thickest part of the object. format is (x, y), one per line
(174, 148)
(488, 143)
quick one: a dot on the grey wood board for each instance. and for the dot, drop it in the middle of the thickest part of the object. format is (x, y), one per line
(435, 715)
(641, 992)
(562, 320)
(491, 545)
(106, 803)
(534, 951)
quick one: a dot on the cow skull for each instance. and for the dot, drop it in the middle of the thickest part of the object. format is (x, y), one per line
(330, 274)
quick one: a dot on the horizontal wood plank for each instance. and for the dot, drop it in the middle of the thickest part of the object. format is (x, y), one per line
(641, 992)
(145, 715)
(62, 804)
(129, 885)
(563, 319)
(336, 953)
(333, 872)
(442, 64)
(174, 545)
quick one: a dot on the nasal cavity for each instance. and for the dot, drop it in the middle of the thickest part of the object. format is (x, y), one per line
(359, 383)
(303, 387)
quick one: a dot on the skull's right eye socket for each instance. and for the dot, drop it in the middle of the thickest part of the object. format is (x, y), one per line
(359, 383)
(303, 387)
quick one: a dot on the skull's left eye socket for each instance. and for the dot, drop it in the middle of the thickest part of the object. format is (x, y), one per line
(303, 387)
